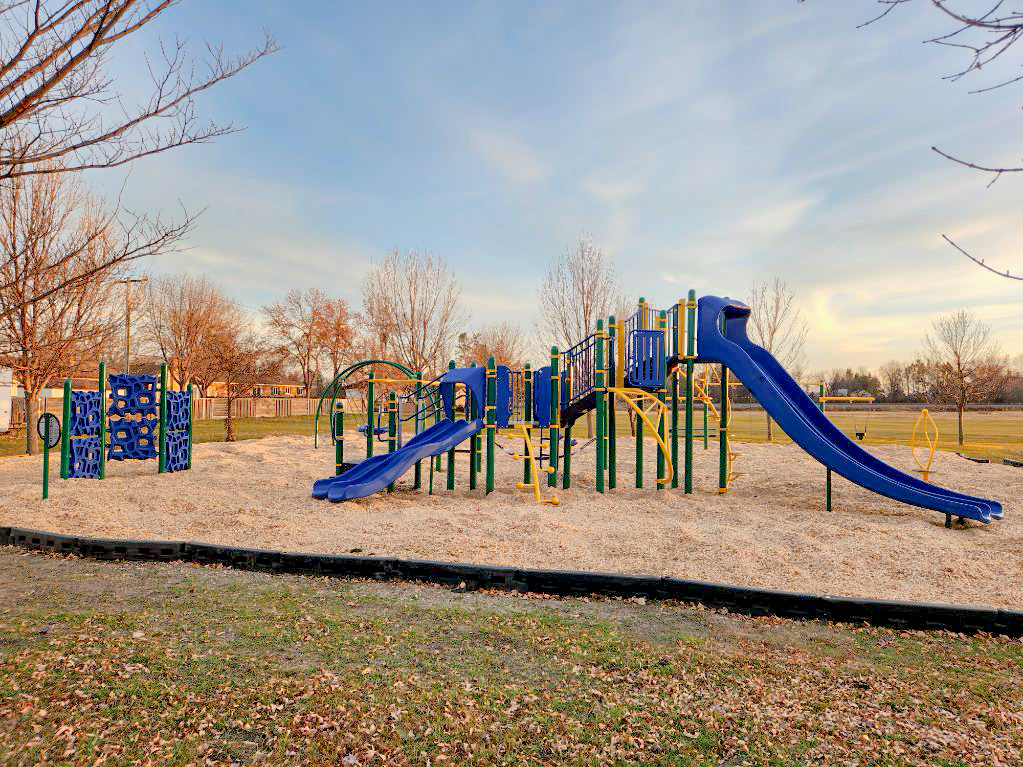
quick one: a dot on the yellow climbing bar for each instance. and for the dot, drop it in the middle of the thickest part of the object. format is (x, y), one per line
(633, 398)
(925, 423)
(523, 431)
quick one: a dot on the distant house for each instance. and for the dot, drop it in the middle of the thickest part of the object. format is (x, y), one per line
(6, 398)
(272, 387)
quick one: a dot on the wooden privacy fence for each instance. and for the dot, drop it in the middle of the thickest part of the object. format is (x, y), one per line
(53, 405)
(215, 408)
(205, 408)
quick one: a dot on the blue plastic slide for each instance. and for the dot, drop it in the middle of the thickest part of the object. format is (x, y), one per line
(376, 473)
(801, 418)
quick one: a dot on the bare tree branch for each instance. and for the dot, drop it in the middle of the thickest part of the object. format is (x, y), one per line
(58, 103)
(980, 261)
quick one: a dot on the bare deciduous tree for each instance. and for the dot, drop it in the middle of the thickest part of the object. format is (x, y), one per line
(63, 329)
(182, 317)
(240, 358)
(893, 378)
(965, 360)
(776, 324)
(56, 90)
(296, 326)
(579, 288)
(412, 305)
(337, 333)
(128, 237)
(502, 341)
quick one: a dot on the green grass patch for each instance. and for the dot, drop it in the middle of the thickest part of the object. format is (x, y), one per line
(178, 664)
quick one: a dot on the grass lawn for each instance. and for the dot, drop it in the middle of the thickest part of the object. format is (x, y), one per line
(989, 434)
(175, 664)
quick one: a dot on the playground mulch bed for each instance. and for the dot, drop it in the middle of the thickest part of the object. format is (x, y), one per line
(771, 530)
(173, 664)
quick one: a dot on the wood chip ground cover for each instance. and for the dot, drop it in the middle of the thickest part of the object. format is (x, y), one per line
(174, 664)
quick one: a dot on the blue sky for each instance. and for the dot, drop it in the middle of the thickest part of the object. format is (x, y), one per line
(705, 145)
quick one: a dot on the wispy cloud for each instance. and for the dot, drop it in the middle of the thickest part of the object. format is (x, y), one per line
(509, 157)
(704, 145)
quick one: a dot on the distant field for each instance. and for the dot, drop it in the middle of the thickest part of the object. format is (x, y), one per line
(989, 434)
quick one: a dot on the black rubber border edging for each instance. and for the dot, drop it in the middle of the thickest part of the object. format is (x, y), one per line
(748, 601)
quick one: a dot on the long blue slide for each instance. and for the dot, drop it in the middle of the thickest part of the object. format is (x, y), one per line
(800, 417)
(376, 473)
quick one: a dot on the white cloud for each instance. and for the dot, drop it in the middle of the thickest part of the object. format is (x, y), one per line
(509, 157)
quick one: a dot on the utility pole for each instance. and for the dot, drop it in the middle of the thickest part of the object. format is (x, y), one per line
(128, 282)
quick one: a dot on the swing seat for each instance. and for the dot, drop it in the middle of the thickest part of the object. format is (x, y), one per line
(860, 435)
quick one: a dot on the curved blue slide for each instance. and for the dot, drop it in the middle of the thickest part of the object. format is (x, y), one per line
(376, 473)
(801, 418)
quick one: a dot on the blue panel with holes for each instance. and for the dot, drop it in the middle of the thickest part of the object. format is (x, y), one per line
(83, 462)
(133, 440)
(177, 451)
(85, 413)
(133, 395)
(179, 410)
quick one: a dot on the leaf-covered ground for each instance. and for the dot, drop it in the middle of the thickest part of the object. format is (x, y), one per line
(117, 664)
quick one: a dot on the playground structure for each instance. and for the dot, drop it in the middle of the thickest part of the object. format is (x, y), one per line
(645, 363)
(144, 420)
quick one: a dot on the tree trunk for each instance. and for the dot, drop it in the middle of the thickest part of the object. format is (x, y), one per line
(770, 434)
(229, 421)
(31, 438)
(960, 409)
(589, 424)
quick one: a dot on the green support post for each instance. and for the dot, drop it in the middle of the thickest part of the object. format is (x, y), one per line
(690, 372)
(472, 412)
(491, 410)
(827, 469)
(552, 444)
(102, 385)
(65, 434)
(677, 320)
(451, 452)
(191, 419)
(46, 456)
(339, 437)
(476, 438)
(639, 421)
(566, 464)
(612, 420)
(527, 400)
(371, 421)
(706, 439)
(163, 418)
(599, 406)
(392, 427)
(417, 482)
(662, 320)
(438, 415)
(723, 434)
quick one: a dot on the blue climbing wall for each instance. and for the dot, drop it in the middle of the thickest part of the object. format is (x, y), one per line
(83, 462)
(177, 451)
(133, 395)
(132, 440)
(179, 416)
(134, 422)
(84, 459)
